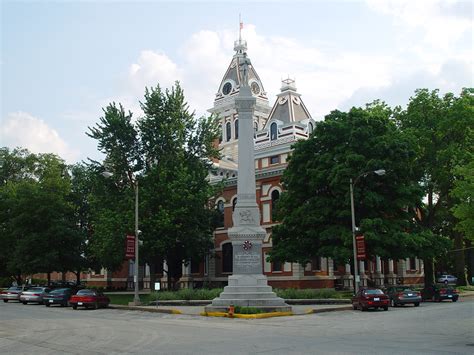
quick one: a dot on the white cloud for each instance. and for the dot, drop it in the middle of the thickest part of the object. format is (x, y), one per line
(21, 129)
(327, 76)
(440, 21)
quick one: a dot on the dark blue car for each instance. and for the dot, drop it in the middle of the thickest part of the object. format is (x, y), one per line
(59, 296)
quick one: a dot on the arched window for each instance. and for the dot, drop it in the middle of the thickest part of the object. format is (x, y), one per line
(275, 197)
(234, 202)
(236, 128)
(227, 131)
(227, 256)
(310, 127)
(220, 212)
(273, 131)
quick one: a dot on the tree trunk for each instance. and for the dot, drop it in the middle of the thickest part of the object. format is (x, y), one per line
(78, 277)
(49, 278)
(18, 279)
(470, 261)
(429, 271)
(459, 259)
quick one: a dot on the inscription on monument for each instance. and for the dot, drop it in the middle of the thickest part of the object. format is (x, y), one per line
(248, 261)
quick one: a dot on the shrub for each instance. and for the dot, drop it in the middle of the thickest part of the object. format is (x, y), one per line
(247, 310)
(186, 294)
(292, 293)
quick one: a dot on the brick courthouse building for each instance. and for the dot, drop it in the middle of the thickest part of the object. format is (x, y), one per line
(276, 128)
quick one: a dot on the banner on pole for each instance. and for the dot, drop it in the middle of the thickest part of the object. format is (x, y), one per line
(360, 247)
(130, 247)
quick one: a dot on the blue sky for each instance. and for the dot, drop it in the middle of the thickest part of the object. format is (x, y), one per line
(62, 61)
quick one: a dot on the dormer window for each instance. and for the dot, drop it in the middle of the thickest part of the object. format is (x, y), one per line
(236, 128)
(310, 127)
(273, 131)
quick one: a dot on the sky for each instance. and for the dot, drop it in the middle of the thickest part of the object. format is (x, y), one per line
(63, 61)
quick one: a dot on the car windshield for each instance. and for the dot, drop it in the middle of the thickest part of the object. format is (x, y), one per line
(60, 291)
(14, 288)
(36, 289)
(86, 292)
(373, 292)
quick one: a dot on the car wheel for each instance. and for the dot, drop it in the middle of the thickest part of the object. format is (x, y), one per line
(354, 307)
(438, 299)
(47, 304)
(95, 306)
(455, 299)
(385, 308)
(445, 282)
(363, 308)
(5, 301)
(417, 304)
(74, 306)
(24, 302)
(106, 305)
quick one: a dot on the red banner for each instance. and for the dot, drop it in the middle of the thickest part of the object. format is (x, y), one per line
(130, 247)
(360, 247)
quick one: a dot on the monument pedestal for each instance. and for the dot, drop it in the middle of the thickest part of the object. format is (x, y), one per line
(248, 291)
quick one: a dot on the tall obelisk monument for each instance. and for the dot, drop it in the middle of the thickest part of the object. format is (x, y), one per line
(247, 286)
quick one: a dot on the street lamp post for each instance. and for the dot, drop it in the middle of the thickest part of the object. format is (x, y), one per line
(136, 297)
(379, 172)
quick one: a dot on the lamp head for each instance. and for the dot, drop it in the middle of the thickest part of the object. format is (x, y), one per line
(107, 174)
(380, 172)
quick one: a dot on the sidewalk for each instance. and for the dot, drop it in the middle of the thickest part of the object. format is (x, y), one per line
(197, 310)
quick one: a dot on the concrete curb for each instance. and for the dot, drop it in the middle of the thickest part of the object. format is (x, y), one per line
(247, 316)
(145, 309)
(333, 309)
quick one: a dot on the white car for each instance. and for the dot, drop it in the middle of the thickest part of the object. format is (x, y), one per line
(447, 279)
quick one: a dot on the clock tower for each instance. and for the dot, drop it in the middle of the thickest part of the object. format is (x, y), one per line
(225, 107)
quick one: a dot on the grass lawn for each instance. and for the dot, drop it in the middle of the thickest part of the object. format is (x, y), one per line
(124, 299)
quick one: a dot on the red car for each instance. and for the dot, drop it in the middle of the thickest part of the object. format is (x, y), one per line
(370, 298)
(89, 299)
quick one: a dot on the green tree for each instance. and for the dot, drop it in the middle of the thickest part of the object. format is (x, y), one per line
(441, 127)
(172, 153)
(37, 217)
(315, 207)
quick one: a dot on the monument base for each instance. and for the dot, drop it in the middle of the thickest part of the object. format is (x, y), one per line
(248, 290)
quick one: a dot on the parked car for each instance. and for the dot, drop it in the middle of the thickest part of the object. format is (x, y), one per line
(59, 296)
(34, 294)
(447, 279)
(12, 294)
(89, 299)
(401, 295)
(439, 292)
(370, 298)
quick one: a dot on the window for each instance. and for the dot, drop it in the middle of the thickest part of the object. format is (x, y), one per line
(316, 264)
(277, 266)
(227, 131)
(310, 127)
(220, 213)
(275, 159)
(234, 202)
(412, 263)
(255, 127)
(273, 131)
(195, 266)
(275, 196)
(236, 128)
(227, 255)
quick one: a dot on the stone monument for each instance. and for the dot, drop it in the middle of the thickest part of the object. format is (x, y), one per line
(247, 286)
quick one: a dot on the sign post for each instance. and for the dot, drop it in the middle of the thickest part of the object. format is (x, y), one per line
(360, 247)
(130, 247)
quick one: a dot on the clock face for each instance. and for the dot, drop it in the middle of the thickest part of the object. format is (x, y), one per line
(227, 88)
(255, 88)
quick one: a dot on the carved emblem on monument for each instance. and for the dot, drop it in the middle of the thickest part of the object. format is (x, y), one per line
(246, 216)
(247, 245)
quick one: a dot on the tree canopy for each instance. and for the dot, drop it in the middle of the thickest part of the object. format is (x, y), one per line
(315, 208)
(167, 152)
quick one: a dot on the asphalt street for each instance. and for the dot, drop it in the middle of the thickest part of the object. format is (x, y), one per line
(432, 328)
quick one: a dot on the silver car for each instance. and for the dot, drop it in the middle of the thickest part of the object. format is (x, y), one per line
(34, 294)
(12, 294)
(447, 279)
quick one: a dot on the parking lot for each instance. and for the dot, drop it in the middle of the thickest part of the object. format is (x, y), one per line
(432, 328)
